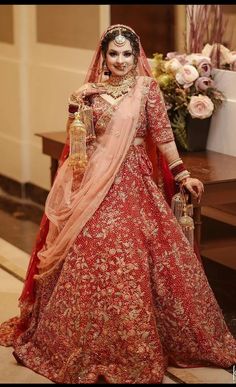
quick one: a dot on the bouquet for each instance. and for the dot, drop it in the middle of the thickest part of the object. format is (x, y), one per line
(187, 85)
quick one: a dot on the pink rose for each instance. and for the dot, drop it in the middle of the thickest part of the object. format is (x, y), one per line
(186, 75)
(176, 55)
(200, 106)
(203, 83)
(171, 54)
(204, 67)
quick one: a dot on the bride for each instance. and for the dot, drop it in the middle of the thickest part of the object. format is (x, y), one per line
(114, 287)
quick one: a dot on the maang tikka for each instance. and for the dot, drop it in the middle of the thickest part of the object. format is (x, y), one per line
(120, 39)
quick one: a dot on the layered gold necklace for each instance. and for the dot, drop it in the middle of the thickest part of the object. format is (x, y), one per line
(117, 86)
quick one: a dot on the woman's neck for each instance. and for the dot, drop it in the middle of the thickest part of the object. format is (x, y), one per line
(117, 80)
(117, 86)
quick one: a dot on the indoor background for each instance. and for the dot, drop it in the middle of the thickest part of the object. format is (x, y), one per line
(44, 53)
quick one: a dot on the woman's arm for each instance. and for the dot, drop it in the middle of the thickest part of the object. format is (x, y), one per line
(162, 135)
(78, 98)
(181, 175)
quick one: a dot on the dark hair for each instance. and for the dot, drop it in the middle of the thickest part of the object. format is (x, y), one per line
(131, 36)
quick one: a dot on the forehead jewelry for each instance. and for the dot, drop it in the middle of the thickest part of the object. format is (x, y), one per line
(120, 39)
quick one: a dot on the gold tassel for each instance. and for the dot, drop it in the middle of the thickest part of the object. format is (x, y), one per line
(86, 115)
(78, 156)
(184, 213)
(187, 224)
(177, 204)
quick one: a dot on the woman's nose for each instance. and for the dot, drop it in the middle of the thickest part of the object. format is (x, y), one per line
(120, 59)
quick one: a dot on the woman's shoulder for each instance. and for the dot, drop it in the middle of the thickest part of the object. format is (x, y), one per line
(149, 83)
(148, 79)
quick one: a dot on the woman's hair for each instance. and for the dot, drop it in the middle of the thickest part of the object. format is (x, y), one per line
(127, 33)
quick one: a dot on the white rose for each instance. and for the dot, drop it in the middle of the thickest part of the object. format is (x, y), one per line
(200, 107)
(197, 58)
(214, 51)
(207, 50)
(187, 74)
(230, 57)
(224, 54)
(173, 65)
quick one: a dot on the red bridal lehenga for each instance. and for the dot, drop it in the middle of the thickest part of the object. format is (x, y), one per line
(130, 297)
(125, 296)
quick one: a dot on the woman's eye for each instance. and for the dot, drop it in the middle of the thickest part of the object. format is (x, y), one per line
(112, 54)
(127, 54)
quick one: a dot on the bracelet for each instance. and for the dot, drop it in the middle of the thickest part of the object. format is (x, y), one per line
(76, 99)
(178, 170)
(181, 176)
(72, 108)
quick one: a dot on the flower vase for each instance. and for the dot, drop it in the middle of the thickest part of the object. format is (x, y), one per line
(197, 133)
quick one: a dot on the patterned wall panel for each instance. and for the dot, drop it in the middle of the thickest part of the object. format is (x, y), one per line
(68, 25)
(6, 24)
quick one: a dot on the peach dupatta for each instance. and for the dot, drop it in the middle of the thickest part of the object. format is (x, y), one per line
(69, 211)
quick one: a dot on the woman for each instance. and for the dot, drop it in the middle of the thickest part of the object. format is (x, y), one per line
(113, 287)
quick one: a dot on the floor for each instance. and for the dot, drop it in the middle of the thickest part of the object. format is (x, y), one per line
(18, 228)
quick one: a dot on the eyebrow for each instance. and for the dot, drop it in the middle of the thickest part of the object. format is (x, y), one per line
(112, 50)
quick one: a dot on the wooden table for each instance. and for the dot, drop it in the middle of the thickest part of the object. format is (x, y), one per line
(52, 143)
(216, 170)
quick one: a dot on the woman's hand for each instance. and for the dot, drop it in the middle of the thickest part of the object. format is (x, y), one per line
(89, 89)
(194, 186)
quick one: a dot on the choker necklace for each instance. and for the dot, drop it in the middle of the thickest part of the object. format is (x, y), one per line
(118, 86)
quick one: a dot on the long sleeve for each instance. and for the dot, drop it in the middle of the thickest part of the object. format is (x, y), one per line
(161, 131)
(157, 117)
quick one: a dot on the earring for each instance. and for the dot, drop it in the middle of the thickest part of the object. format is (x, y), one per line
(106, 71)
(134, 69)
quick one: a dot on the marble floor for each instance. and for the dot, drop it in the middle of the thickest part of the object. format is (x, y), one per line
(17, 236)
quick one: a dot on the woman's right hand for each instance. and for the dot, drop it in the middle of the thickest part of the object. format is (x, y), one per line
(89, 89)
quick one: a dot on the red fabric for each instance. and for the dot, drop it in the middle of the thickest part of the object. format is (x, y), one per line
(160, 170)
(130, 298)
(28, 289)
(179, 168)
(28, 292)
(170, 186)
(72, 108)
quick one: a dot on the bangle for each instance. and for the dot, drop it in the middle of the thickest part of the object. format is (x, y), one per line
(178, 170)
(172, 164)
(72, 108)
(181, 176)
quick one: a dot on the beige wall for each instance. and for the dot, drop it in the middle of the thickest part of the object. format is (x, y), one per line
(229, 12)
(38, 72)
(40, 66)
(6, 24)
(71, 26)
(180, 25)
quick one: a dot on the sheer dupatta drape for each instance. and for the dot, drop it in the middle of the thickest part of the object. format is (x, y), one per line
(160, 167)
(67, 210)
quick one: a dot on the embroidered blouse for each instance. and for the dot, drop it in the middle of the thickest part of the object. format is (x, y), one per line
(153, 114)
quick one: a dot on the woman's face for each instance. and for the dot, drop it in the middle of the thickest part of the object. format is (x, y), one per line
(119, 60)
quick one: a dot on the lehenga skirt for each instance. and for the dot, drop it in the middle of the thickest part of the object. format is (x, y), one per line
(130, 298)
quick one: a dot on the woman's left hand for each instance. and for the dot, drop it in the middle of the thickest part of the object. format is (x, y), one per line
(194, 186)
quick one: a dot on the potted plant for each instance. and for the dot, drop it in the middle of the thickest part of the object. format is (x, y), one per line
(190, 94)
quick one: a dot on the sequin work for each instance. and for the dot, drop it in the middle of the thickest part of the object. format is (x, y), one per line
(131, 297)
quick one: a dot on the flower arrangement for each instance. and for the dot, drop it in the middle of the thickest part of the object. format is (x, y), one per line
(214, 25)
(221, 56)
(187, 84)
